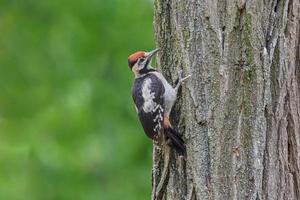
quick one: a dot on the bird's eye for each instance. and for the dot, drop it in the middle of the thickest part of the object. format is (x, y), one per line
(141, 60)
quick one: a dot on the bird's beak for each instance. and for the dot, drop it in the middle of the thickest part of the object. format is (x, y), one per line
(150, 54)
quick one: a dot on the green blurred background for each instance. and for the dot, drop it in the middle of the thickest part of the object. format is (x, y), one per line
(68, 128)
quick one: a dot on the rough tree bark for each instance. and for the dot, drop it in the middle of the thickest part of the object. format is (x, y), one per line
(240, 111)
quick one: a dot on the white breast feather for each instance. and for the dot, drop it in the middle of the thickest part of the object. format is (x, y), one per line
(148, 96)
(151, 106)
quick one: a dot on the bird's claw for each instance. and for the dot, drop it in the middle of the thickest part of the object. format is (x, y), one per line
(183, 79)
(180, 74)
(180, 79)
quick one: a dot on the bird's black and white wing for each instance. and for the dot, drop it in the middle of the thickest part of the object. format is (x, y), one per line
(148, 94)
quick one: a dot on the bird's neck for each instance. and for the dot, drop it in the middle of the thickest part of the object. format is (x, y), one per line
(144, 71)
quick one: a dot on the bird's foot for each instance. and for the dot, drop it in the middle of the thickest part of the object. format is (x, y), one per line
(181, 79)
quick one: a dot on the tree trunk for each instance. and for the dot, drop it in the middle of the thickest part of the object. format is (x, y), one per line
(239, 113)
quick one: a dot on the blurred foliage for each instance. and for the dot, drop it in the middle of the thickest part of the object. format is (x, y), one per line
(68, 128)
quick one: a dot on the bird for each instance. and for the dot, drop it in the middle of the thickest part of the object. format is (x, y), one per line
(154, 98)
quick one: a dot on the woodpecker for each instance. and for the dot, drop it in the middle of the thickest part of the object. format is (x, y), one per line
(154, 98)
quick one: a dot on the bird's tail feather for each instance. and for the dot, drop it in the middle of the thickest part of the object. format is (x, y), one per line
(176, 141)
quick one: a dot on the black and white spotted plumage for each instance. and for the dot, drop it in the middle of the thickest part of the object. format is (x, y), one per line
(148, 95)
(154, 98)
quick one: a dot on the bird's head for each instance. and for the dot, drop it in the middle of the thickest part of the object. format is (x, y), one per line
(139, 62)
